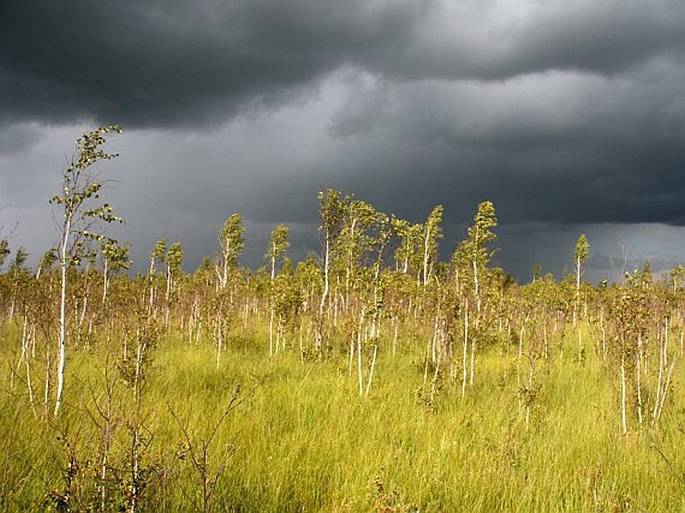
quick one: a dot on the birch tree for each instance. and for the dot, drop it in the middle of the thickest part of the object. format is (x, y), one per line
(355, 241)
(157, 253)
(46, 261)
(278, 245)
(173, 261)
(475, 253)
(81, 213)
(580, 255)
(480, 235)
(4, 250)
(333, 209)
(431, 234)
(232, 244)
(115, 257)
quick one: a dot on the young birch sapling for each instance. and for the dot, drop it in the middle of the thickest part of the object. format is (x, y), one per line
(82, 212)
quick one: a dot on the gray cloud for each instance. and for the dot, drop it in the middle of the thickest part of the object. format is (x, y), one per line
(567, 115)
(17, 138)
(563, 147)
(185, 63)
(178, 63)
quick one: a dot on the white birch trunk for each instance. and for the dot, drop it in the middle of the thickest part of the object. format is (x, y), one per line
(61, 362)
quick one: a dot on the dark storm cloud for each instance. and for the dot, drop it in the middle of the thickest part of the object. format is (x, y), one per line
(178, 63)
(563, 147)
(561, 112)
(497, 40)
(159, 63)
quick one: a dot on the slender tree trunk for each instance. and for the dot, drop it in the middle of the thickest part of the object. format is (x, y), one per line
(219, 334)
(466, 349)
(434, 338)
(520, 355)
(324, 296)
(529, 399)
(46, 388)
(105, 280)
(577, 298)
(476, 290)
(435, 378)
(638, 377)
(25, 354)
(473, 362)
(272, 307)
(350, 264)
(373, 367)
(63, 263)
(624, 425)
(476, 285)
(271, 332)
(167, 297)
(82, 316)
(151, 284)
(426, 254)
(663, 362)
(375, 325)
(360, 374)
(360, 370)
(395, 335)
(669, 375)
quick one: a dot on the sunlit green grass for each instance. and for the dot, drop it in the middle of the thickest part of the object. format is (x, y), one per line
(303, 440)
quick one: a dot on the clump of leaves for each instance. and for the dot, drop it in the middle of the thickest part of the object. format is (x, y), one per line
(388, 501)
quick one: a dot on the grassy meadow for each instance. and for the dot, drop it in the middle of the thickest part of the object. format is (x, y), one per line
(371, 378)
(299, 437)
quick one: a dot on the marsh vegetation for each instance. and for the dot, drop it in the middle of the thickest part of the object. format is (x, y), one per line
(370, 377)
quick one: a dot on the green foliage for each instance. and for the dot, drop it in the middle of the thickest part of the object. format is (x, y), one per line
(432, 232)
(278, 243)
(4, 250)
(231, 240)
(115, 254)
(19, 258)
(355, 238)
(333, 208)
(48, 259)
(475, 250)
(206, 267)
(582, 249)
(174, 258)
(159, 250)
(80, 195)
(287, 294)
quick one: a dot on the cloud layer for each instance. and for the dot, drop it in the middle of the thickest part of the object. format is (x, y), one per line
(181, 62)
(564, 113)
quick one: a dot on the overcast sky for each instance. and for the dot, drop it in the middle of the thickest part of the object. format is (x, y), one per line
(568, 114)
